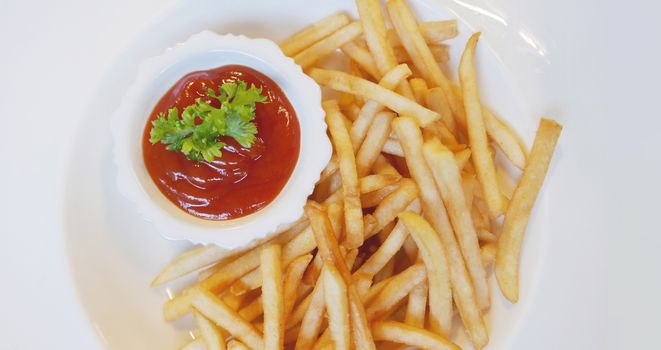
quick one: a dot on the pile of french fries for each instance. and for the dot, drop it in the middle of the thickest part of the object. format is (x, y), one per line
(406, 220)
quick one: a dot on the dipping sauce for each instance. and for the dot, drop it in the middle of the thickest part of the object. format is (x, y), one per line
(243, 180)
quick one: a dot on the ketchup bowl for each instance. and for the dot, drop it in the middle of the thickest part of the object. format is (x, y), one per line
(144, 176)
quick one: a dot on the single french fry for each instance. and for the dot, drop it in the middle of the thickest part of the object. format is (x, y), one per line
(518, 213)
(347, 83)
(418, 337)
(353, 212)
(331, 168)
(484, 166)
(325, 46)
(438, 272)
(311, 323)
(417, 305)
(362, 57)
(190, 261)
(395, 203)
(371, 107)
(448, 179)
(434, 209)
(413, 41)
(371, 147)
(488, 253)
(419, 87)
(432, 32)
(337, 307)
(292, 281)
(505, 138)
(374, 198)
(212, 336)
(273, 300)
(312, 34)
(437, 101)
(214, 309)
(376, 182)
(395, 291)
(393, 147)
(440, 52)
(313, 271)
(385, 253)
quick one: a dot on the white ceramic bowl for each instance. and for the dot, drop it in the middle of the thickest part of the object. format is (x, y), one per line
(204, 51)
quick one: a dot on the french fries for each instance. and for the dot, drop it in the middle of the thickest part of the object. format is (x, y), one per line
(312, 34)
(362, 57)
(347, 83)
(212, 337)
(371, 147)
(417, 306)
(376, 182)
(397, 289)
(462, 287)
(313, 318)
(190, 261)
(337, 306)
(323, 47)
(440, 52)
(371, 107)
(215, 310)
(409, 33)
(376, 34)
(414, 165)
(405, 334)
(292, 280)
(385, 253)
(516, 219)
(448, 180)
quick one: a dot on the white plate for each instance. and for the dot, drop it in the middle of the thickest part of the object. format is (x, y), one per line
(114, 254)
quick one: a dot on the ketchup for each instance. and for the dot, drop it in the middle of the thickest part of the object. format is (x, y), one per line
(243, 180)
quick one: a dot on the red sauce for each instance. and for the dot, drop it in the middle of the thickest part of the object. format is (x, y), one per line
(243, 180)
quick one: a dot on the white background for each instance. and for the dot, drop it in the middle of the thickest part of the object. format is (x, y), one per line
(53, 54)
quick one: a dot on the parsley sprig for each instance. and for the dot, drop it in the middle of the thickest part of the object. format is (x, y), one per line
(199, 140)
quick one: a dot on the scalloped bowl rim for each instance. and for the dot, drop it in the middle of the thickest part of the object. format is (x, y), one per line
(203, 51)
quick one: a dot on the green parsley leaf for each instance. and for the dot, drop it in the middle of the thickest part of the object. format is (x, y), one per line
(195, 133)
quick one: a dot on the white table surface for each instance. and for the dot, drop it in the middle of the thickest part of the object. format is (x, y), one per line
(52, 55)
